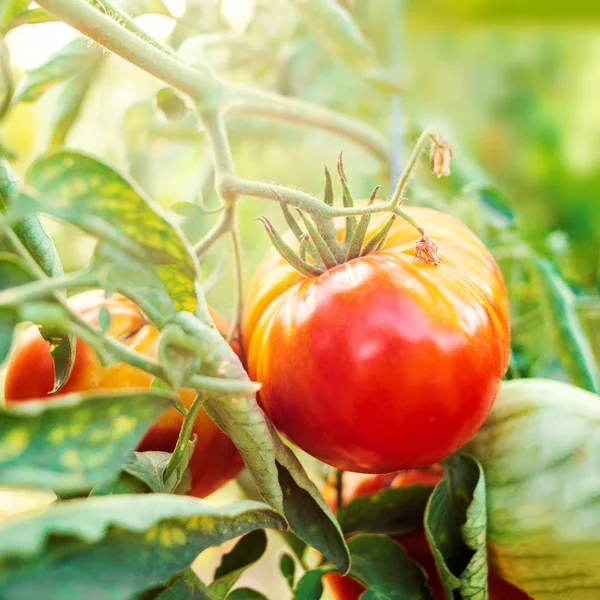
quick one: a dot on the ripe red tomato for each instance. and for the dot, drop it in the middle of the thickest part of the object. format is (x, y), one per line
(382, 363)
(414, 543)
(30, 375)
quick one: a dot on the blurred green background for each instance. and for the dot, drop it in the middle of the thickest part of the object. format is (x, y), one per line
(515, 90)
(514, 86)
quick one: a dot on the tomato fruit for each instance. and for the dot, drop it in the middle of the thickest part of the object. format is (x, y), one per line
(30, 375)
(384, 362)
(414, 543)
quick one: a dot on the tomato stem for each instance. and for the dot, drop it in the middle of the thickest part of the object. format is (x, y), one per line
(238, 315)
(328, 193)
(409, 168)
(326, 253)
(347, 200)
(378, 239)
(287, 253)
(180, 451)
(356, 243)
(339, 488)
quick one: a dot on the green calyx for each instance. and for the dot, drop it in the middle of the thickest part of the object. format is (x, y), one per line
(318, 249)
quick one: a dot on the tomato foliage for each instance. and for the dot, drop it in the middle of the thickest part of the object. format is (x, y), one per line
(383, 349)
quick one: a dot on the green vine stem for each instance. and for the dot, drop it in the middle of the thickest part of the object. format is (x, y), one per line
(339, 489)
(184, 436)
(204, 86)
(238, 316)
(247, 101)
(412, 161)
(113, 11)
(41, 287)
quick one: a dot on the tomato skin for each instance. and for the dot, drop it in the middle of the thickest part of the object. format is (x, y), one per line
(30, 375)
(382, 363)
(414, 543)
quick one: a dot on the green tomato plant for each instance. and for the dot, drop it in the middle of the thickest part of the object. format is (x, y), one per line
(120, 527)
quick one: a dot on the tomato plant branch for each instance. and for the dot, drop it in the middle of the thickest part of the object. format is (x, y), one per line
(107, 32)
(106, 346)
(143, 51)
(42, 287)
(126, 21)
(258, 189)
(222, 226)
(185, 434)
(408, 169)
(238, 315)
(214, 127)
(247, 101)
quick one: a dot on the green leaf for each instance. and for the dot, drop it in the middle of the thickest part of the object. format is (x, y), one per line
(111, 547)
(74, 442)
(144, 474)
(70, 60)
(392, 511)
(296, 545)
(8, 322)
(30, 17)
(86, 192)
(136, 281)
(379, 564)
(306, 511)
(9, 9)
(70, 102)
(310, 586)
(13, 272)
(182, 586)
(337, 32)
(171, 104)
(7, 88)
(455, 525)
(30, 230)
(540, 449)
(7, 151)
(39, 244)
(123, 483)
(383, 568)
(246, 552)
(490, 203)
(279, 476)
(246, 594)
(180, 362)
(562, 321)
(494, 205)
(149, 467)
(287, 567)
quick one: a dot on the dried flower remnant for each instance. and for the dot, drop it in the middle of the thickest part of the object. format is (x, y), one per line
(426, 250)
(439, 156)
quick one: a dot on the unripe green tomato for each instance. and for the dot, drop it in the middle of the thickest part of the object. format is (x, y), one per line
(540, 450)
